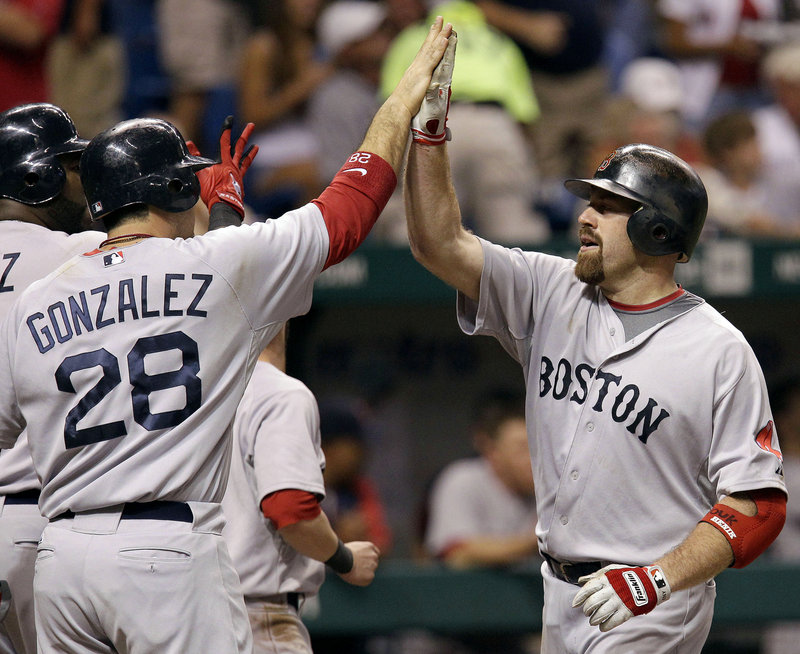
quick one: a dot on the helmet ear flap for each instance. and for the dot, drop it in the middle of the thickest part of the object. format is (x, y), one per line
(36, 182)
(654, 233)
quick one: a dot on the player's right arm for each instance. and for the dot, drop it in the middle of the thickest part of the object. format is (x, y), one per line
(314, 537)
(359, 192)
(438, 239)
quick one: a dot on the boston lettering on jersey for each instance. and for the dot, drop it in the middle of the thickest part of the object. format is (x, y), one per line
(625, 404)
(130, 299)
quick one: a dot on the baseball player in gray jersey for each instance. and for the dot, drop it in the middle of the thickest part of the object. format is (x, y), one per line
(42, 209)
(655, 459)
(127, 365)
(278, 537)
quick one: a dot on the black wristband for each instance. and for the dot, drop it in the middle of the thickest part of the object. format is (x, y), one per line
(342, 559)
(223, 215)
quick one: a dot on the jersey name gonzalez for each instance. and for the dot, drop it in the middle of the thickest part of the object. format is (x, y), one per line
(173, 294)
(643, 416)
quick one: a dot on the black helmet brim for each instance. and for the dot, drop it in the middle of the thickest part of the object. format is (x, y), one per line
(583, 188)
(70, 147)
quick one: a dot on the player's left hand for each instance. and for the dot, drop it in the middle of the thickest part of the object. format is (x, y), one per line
(429, 125)
(616, 593)
(222, 182)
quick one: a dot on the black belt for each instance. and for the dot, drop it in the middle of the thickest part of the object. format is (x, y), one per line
(157, 510)
(571, 572)
(292, 599)
(23, 497)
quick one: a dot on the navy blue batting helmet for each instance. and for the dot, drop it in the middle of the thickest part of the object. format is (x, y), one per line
(673, 198)
(32, 136)
(140, 161)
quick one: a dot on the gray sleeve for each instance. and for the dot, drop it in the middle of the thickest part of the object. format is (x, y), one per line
(287, 453)
(515, 285)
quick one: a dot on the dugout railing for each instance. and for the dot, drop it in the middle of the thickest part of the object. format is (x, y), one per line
(406, 595)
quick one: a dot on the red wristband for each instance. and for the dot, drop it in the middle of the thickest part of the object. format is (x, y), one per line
(353, 201)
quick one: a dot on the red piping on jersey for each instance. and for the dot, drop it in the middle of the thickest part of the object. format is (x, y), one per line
(645, 307)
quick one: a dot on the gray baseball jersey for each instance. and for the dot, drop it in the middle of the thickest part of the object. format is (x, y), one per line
(276, 447)
(633, 441)
(468, 500)
(128, 364)
(27, 253)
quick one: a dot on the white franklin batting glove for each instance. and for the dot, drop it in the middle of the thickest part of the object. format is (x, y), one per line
(429, 126)
(616, 593)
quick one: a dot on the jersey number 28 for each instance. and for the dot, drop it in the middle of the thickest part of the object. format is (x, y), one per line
(142, 385)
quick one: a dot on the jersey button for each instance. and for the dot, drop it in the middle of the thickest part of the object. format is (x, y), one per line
(564, 519)
(590, 426)
(574, 475)
(612, 331)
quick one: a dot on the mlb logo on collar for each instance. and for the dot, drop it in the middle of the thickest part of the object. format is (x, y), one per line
(113, 258)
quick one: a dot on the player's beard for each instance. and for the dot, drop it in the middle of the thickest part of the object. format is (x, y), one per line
(589, 267)
(68, 216)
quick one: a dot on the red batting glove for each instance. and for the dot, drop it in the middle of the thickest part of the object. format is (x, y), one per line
(616, 593)
(222, 182)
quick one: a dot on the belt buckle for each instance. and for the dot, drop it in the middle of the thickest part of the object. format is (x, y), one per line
(562, 566)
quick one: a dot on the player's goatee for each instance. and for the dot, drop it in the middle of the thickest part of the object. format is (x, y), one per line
(589, 267)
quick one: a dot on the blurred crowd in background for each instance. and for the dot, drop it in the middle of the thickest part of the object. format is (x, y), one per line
(543, 90)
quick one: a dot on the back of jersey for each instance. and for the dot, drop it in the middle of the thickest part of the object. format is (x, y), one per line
(29, 252)
(128, 364)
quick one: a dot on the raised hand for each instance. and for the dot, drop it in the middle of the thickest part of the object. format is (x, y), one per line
(222, 182)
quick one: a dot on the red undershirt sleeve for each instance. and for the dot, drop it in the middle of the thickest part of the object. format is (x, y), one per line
(290, 506)
(353, 201)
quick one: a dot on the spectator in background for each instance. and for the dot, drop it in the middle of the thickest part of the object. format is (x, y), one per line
(351, 503)
(86, 68)
(200, 43)
(737, 196)
(630, 34)
(282, 66)
(27, 28)
(402, 13)
(563, 44)
(646, 109)
(482, 510)
(718, 60)
(778, 132)
(354, 35)
(492, 97)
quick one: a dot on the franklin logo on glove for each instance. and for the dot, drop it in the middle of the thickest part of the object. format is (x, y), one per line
(616, 593)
